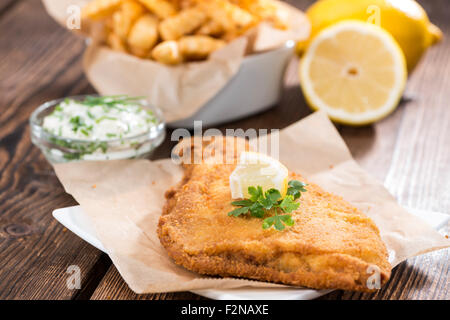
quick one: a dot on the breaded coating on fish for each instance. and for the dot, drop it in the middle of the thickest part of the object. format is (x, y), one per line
(331, 246)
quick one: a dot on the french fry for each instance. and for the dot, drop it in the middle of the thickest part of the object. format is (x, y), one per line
(115, 42)
(181, 24)
(143, 35)
(185, 29)
(267, 10)
(123, 19)
(132, 8)
(229, 15)
(100, 9)
(211, 28)
(167, 52)
(162, 8)
(198, 47)
(261, 8)
(183, 4)
(230, 35)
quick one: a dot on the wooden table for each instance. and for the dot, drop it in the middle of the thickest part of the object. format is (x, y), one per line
(40, 61)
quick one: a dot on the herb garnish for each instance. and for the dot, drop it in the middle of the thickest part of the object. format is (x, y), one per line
(77, 123)
(105, 118)
(80, 148)
(90, 115)
(110, 101)
(262, 203)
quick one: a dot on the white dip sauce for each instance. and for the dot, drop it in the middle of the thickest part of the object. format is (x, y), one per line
(99, 118)
(97, 127)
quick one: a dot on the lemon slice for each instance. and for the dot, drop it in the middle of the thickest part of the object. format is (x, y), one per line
(257, 169)
(355, 71)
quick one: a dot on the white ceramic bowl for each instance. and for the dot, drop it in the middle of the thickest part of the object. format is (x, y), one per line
(257, 86)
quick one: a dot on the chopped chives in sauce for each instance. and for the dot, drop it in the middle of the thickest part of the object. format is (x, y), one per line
(99, 118)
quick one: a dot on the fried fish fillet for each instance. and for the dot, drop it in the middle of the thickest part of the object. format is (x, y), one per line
(332, 244)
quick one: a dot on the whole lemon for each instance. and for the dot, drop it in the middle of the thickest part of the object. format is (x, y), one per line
(405, 20)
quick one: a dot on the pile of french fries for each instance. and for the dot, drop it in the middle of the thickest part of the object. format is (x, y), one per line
(176, 31)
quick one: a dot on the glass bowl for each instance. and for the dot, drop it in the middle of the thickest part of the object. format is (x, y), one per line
(58, 149)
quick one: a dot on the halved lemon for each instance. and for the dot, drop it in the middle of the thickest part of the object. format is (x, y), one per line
(257, 169)
(354, 71)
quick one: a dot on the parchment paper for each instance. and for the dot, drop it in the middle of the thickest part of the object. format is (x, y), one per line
(124, 199)
(179, 91)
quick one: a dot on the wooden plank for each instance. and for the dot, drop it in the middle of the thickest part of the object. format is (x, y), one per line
(43, 63)
(7, 5)
(113, 287)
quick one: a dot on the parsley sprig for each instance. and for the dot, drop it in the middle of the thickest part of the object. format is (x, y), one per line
(262, 203)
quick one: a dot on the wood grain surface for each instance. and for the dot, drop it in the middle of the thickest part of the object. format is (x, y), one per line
(40, 61)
